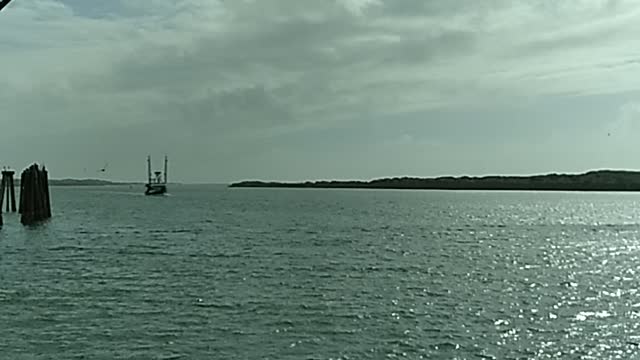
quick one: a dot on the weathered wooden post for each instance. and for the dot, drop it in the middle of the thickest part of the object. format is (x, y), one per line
(2, 186)
(22, 182)
(8, 184)
(25, 206)
(12, 186)
(47, 199)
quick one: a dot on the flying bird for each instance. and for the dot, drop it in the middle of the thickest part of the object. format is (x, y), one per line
(4, 3)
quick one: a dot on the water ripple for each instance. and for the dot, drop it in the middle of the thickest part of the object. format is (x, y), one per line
(218, 273)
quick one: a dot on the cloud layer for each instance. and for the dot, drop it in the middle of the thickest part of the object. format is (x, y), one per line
(230, 82)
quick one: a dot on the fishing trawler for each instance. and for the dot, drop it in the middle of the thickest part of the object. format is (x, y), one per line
(156, 185)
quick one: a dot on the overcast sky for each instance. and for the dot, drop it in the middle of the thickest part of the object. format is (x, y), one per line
(308, 89)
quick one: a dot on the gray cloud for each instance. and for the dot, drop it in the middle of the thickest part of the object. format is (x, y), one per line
(239, 77)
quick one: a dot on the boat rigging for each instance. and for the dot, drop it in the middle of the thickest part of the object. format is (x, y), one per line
(156, 185)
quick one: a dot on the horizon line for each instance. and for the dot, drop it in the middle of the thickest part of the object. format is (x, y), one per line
(459, 175)
(455, 175)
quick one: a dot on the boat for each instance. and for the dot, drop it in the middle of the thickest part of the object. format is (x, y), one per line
(156, 185)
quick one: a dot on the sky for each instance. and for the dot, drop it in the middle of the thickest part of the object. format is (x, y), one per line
(319, 89)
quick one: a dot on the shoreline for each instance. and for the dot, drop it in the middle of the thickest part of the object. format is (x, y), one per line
(592, 181)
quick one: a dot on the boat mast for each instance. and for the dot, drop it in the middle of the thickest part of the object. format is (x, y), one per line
(165, 168)
(149, 168)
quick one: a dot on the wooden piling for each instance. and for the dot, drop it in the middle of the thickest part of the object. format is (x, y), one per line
(22, 182)
(35, 204)
(2, 186)
(47, 198)
(12, 187)
(7, 188)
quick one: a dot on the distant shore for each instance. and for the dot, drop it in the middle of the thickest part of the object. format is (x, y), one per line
(600, 180)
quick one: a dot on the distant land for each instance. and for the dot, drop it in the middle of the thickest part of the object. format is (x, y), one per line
(598, 180)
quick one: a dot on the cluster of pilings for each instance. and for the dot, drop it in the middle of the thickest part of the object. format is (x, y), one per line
(35, 204)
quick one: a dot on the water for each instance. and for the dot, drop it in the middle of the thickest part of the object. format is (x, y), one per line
(213, 273)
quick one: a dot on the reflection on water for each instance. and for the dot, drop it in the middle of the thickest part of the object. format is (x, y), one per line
(291, 274)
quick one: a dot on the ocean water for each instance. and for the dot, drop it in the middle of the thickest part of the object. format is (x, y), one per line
(216, 273)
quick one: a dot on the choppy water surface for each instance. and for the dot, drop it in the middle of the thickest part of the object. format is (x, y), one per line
(312, 274)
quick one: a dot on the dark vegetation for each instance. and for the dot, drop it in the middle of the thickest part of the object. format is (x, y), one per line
(602, 180)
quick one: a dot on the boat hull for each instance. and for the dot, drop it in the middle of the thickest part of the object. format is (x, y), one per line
(155, 189)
